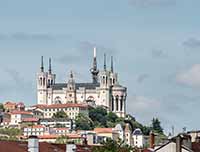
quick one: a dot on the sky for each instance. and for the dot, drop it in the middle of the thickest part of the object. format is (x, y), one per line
(155, 44)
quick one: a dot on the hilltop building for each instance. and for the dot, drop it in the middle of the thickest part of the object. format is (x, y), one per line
(104, 90)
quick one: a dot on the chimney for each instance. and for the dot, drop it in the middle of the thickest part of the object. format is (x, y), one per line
(70, 148)
(33, 144)
(178, 144)
(152, 140)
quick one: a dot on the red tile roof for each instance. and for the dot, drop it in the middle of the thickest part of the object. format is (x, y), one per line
(10, 103)
(30, 119)
(17, 146)
(196, 147)
(60, 128)
(103, 130)
(21, 112)
(48, 136)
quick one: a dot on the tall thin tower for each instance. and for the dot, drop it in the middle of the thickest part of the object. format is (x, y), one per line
(94, 71)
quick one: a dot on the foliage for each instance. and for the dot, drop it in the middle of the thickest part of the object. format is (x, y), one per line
(10, 131)
(62, 139)
(83, 122)
(156, 126)
(2, 107)
(98, 116)
(113, 146)
(60, 114)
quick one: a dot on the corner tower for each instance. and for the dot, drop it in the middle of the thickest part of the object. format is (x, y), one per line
(42, 84)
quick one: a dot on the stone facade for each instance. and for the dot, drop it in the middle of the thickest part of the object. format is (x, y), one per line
(104, 90)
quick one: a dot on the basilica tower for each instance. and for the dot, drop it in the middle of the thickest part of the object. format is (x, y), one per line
(42, 84)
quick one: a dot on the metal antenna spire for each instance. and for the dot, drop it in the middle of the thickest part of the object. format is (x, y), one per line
(42, 64)
(94, 71)
(50, 66)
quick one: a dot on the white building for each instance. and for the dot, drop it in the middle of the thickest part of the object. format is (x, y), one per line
(104, 90)
(53, 122)
(60, 131)
(17, 117)
(119, 129)
(36, 130)
(71, 109)
(138, 138)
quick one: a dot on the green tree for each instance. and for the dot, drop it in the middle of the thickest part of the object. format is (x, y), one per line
(98, 116)
(2, 107)
(156, 126)
(83, 122)
(112, 117)
(62, 140)
(113, 146)
(60, 114)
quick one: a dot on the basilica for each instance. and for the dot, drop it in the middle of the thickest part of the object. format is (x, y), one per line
(103, 90)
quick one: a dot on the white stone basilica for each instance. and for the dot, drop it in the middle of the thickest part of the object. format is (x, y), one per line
(104, 90)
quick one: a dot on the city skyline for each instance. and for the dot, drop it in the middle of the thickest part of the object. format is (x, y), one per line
(155, 44)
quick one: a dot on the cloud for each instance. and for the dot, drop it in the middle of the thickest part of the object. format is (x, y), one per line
(141, 78)
(84, 52)
(156, 53)
(153, 3)
(190, 77)
(144, 108)
(18, 82)
(22, 36)
(192, 43)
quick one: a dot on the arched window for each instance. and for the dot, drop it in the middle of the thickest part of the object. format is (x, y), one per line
(117, 103)
(121, 103)
(43, 81)
(112, 102)
(49, 82)
(106, 79)
(57, 100)
(113, 81)
(40, 81)
(103, 80)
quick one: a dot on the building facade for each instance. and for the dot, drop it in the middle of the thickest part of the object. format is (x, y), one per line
(71, 109)
(104, 89)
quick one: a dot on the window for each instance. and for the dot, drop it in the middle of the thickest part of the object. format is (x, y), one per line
(44, 81)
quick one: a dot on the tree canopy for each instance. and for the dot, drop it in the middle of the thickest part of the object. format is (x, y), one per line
(99, 117)
(156, 126)
(113, 146)
(60, 114)
(83, 122)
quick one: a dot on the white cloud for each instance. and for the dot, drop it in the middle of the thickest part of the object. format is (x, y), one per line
(190, 77)
(153, 2)
(143, 108)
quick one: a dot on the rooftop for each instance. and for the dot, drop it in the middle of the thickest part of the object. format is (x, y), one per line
(21, 112)
(17, 146)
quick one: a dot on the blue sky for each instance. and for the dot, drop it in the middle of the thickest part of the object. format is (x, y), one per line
(155, 43)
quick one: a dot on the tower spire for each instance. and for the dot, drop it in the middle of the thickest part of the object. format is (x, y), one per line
(94, 71)
(112, 68)
(50, 66)
(42, 64)
(104, 61)
(71, 75)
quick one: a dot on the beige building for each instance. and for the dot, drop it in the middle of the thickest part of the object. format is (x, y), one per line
(71, 109)
(104, 89)
(107, 133)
